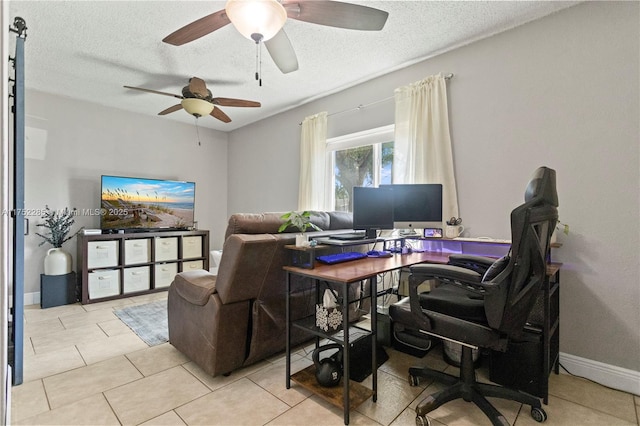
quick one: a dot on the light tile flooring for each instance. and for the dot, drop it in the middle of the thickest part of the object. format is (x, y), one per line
(83, 366)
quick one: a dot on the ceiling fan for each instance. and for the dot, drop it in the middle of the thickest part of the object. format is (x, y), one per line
(262, 21)
(198, 101)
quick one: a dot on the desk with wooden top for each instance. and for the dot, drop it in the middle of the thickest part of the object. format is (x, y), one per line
(343, 274)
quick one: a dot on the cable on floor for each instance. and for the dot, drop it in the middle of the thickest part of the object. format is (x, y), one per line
(588, 379)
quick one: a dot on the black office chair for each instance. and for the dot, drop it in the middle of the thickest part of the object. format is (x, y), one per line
(482, 306)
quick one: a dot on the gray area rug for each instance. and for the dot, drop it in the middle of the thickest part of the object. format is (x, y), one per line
(148, 321)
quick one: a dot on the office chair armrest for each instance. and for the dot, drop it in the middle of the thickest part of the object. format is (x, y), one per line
(426, 271)
(450, 274)
(479, 264)
(423, 322)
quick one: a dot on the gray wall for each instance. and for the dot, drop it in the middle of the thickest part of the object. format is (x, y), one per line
(76, 142)
(562, 92)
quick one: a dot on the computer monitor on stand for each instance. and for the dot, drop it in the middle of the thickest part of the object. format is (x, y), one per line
(416, 206)
(372, 209)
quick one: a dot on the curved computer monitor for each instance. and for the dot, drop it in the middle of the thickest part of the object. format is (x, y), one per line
(372, 209)
(417, 206)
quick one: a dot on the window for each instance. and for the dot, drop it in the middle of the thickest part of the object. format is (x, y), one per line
(359, 159)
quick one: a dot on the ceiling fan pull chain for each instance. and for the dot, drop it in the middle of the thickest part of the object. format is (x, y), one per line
(260, 66)
(197, 131)
(258, 61)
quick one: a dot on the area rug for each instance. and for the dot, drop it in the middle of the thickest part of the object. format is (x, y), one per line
(148, 321)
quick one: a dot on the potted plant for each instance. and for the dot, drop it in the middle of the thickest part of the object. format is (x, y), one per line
(563, 226)
(58, 224)
(560, 226)
(300, 221)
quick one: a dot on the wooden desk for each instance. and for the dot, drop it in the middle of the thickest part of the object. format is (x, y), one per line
(362, 269)
(344, 274)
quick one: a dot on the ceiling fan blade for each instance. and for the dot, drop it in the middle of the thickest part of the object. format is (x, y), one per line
(170, 110)
(197, 86)
(217, 113)
(235, 102)
(154, 91)
(197, 29)
(336, 14)
(282, 52)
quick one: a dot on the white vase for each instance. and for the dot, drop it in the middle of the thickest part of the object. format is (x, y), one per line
(57, 262)
(302, 240)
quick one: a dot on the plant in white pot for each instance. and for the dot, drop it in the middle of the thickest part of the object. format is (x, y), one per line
(559, 227)
(58, 223)
(300, 221)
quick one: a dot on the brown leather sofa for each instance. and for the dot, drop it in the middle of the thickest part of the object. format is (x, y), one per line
(237, 318)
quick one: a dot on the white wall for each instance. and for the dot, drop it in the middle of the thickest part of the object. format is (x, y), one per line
(83, 141)
(562, 92)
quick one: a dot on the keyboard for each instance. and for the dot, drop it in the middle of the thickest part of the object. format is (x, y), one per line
(332, 259)
(349, 236)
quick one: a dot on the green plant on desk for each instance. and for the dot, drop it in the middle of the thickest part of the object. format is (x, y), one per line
(299, 220)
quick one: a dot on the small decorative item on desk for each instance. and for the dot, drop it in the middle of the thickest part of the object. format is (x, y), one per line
(564, 227)
(58, 223)
(454, 228)
(300, 221)
(560, 226)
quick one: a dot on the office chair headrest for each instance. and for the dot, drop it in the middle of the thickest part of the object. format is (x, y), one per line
(542, 187)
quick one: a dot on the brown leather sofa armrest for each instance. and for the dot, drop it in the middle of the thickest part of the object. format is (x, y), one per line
(244, 265)
(195, 286)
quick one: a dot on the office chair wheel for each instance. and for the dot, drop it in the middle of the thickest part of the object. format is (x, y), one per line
(422, 421)
(538, 414)
(414, 380)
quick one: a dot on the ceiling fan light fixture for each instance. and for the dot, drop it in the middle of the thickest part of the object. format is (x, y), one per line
(255, 18)
(197, 107)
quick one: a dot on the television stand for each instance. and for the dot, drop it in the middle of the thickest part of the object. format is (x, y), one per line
(114, 266)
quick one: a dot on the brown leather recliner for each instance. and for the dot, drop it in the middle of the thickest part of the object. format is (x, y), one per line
(237, 318)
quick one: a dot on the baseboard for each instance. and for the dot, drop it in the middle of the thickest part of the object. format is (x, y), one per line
(32, 298)
(608, 375)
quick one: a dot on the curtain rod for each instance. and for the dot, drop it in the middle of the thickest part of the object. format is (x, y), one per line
(361, 106)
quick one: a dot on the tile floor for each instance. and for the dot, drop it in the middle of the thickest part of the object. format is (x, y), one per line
(82, 366)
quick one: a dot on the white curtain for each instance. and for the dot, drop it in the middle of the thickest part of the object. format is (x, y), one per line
(313, 142)
(422, 144)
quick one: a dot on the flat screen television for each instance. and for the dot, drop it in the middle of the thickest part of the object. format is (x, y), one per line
(130, 203)
(372, 209)
(417, 206)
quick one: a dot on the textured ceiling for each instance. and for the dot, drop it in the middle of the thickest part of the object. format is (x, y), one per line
(89, 49)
